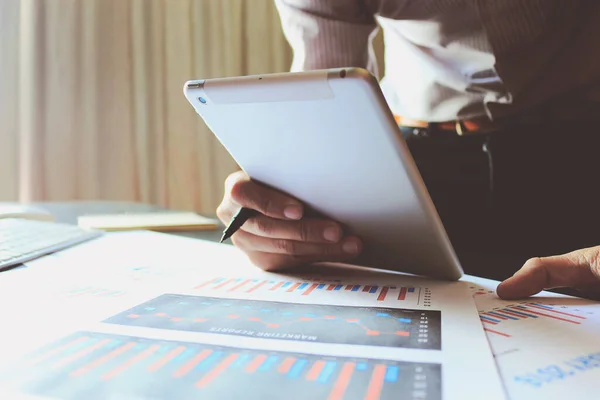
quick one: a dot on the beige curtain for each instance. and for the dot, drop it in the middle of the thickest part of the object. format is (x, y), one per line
(91, 103)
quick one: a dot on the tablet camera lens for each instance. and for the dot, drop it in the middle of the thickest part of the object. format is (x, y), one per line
(202, 100)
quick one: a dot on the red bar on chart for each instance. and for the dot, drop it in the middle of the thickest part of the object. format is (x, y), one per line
(555, 311)
(376, 383)
(502, 313)
(200, 286)
(277, 286)
(253, 288)
(172, 354)
(285, 366)
(383, 293)
(212, 374)
(512, 314)
(227, 282)
(139, 357)
(331, 287)
(549, 316)
(496, 315)
(310, 289)
(188, 366)
(293, 287)
(366, 288)
(340, 385)
(483, 319)
(496, 332)
(316, 369)
(236, 287)
(402, 294)
(349, 287)
(80, 353)
(258, 360)
(88, 367)
(58, 350)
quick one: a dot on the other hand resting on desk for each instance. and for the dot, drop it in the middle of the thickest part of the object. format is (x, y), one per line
(279, 237)
(579, 269)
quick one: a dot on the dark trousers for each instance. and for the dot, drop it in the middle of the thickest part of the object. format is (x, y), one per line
(527, 190)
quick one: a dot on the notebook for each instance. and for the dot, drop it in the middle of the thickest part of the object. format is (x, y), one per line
(164, 221)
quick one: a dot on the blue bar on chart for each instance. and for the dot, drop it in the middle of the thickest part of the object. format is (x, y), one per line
(391, 375)
(268, 364)
(516, 313)
(327, 371)
(489, 320)
(297, 368)
(502, 315)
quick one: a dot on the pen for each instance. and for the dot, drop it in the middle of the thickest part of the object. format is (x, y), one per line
(236, 222)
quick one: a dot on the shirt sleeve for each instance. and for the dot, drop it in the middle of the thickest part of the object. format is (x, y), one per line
(329, 33)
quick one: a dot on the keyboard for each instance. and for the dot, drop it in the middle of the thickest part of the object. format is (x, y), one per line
(23, 240)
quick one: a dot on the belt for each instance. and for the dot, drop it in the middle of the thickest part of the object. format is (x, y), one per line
(460, 127)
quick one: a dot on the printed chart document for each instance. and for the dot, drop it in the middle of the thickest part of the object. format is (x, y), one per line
(212, 326)
(547, 347)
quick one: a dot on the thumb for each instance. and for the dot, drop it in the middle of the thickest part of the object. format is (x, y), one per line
(579, 269)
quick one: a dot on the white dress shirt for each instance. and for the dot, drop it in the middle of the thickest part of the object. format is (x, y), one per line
(455, 59)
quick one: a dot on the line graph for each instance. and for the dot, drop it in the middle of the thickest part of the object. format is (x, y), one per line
(418, 295)
(288, 321)
(89, 365)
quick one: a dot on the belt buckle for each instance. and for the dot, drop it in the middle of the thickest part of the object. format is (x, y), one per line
(461, 129)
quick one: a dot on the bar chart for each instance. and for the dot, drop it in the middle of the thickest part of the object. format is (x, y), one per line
(525, 311)
(408, 294)
(419, 329)
(507, 322)
(90, 365)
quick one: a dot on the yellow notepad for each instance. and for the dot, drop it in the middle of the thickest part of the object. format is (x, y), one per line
(163, 221)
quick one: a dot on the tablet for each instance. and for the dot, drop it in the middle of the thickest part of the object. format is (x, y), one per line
(329, 139)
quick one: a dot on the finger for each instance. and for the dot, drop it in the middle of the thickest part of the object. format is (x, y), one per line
(349, 247)
(226, 210)
(578, 269)
(265, 200)
(311, 230)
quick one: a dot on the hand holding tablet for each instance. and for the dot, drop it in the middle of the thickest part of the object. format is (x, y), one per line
(279, 235)
(325, 165)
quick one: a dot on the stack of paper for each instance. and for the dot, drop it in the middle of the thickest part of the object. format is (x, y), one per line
(143, 315)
